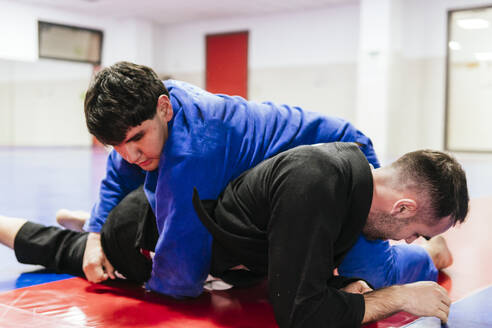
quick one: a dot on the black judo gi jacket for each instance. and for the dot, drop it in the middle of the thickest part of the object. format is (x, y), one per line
(292, 218)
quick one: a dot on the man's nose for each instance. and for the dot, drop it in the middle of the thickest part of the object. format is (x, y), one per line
(128, 152)
(132, 154)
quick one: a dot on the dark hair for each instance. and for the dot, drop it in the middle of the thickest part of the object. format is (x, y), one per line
(441, 177)
(120, 97)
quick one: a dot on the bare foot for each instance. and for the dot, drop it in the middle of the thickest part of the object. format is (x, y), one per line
(439, 252)
(73, 220)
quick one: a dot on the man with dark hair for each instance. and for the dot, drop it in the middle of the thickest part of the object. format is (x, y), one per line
(122, 97)
(172, 137)
(292, 219)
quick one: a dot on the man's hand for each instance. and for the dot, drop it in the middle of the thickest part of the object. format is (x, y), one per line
(95, 264)
(426, 298)
(423, 298)
(357, 287)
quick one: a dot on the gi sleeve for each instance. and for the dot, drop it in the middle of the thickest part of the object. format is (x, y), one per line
(195, 155)
(121, 178)
(183, 251)
(308, 201)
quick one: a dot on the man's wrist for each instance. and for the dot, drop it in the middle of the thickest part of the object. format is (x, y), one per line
(397, 296)
(383, 303)
(93, 236)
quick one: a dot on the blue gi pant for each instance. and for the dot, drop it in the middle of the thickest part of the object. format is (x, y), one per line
(383, 265)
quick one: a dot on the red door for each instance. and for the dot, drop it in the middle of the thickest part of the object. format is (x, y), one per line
(227, 63)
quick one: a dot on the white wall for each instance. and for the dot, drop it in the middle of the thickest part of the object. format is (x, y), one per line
(421, 69)
(41, 101)
(124, 39)
(41, 110)
(408, 111)
(18, 36)
(311, 59)
(305, 58)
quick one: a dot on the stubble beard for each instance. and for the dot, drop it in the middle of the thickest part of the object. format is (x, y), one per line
(380, 226)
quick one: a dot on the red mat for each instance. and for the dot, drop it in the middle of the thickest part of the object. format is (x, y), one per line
(78, 303)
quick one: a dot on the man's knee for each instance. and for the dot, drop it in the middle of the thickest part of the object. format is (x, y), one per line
(384, 265)
(130, 207)
(413, 264)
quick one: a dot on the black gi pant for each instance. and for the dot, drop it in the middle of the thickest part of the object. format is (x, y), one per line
(129, 228)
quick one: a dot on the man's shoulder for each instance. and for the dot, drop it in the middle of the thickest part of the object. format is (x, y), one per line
(337, 159)
(175, 86)
(331, 151)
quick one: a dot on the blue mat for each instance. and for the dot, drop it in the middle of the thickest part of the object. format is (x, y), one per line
(474, 311)
(35, 183)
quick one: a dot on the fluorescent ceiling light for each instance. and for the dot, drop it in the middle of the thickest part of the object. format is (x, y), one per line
(483, 56)
(454, 45)
(473, 23)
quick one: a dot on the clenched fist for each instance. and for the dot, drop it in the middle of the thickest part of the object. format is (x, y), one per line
(357, 287)
(95, 264)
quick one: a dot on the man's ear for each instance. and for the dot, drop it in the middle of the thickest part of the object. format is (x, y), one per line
(164, 108)
(404, 208)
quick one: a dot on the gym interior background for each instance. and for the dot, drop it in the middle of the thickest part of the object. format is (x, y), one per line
(410, 74)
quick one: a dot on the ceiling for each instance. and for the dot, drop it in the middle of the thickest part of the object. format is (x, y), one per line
(179, 11)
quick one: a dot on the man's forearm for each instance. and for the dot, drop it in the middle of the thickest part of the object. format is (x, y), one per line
(423, 298)
(382, 303)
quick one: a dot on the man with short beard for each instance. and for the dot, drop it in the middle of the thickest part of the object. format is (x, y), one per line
(295, 216)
